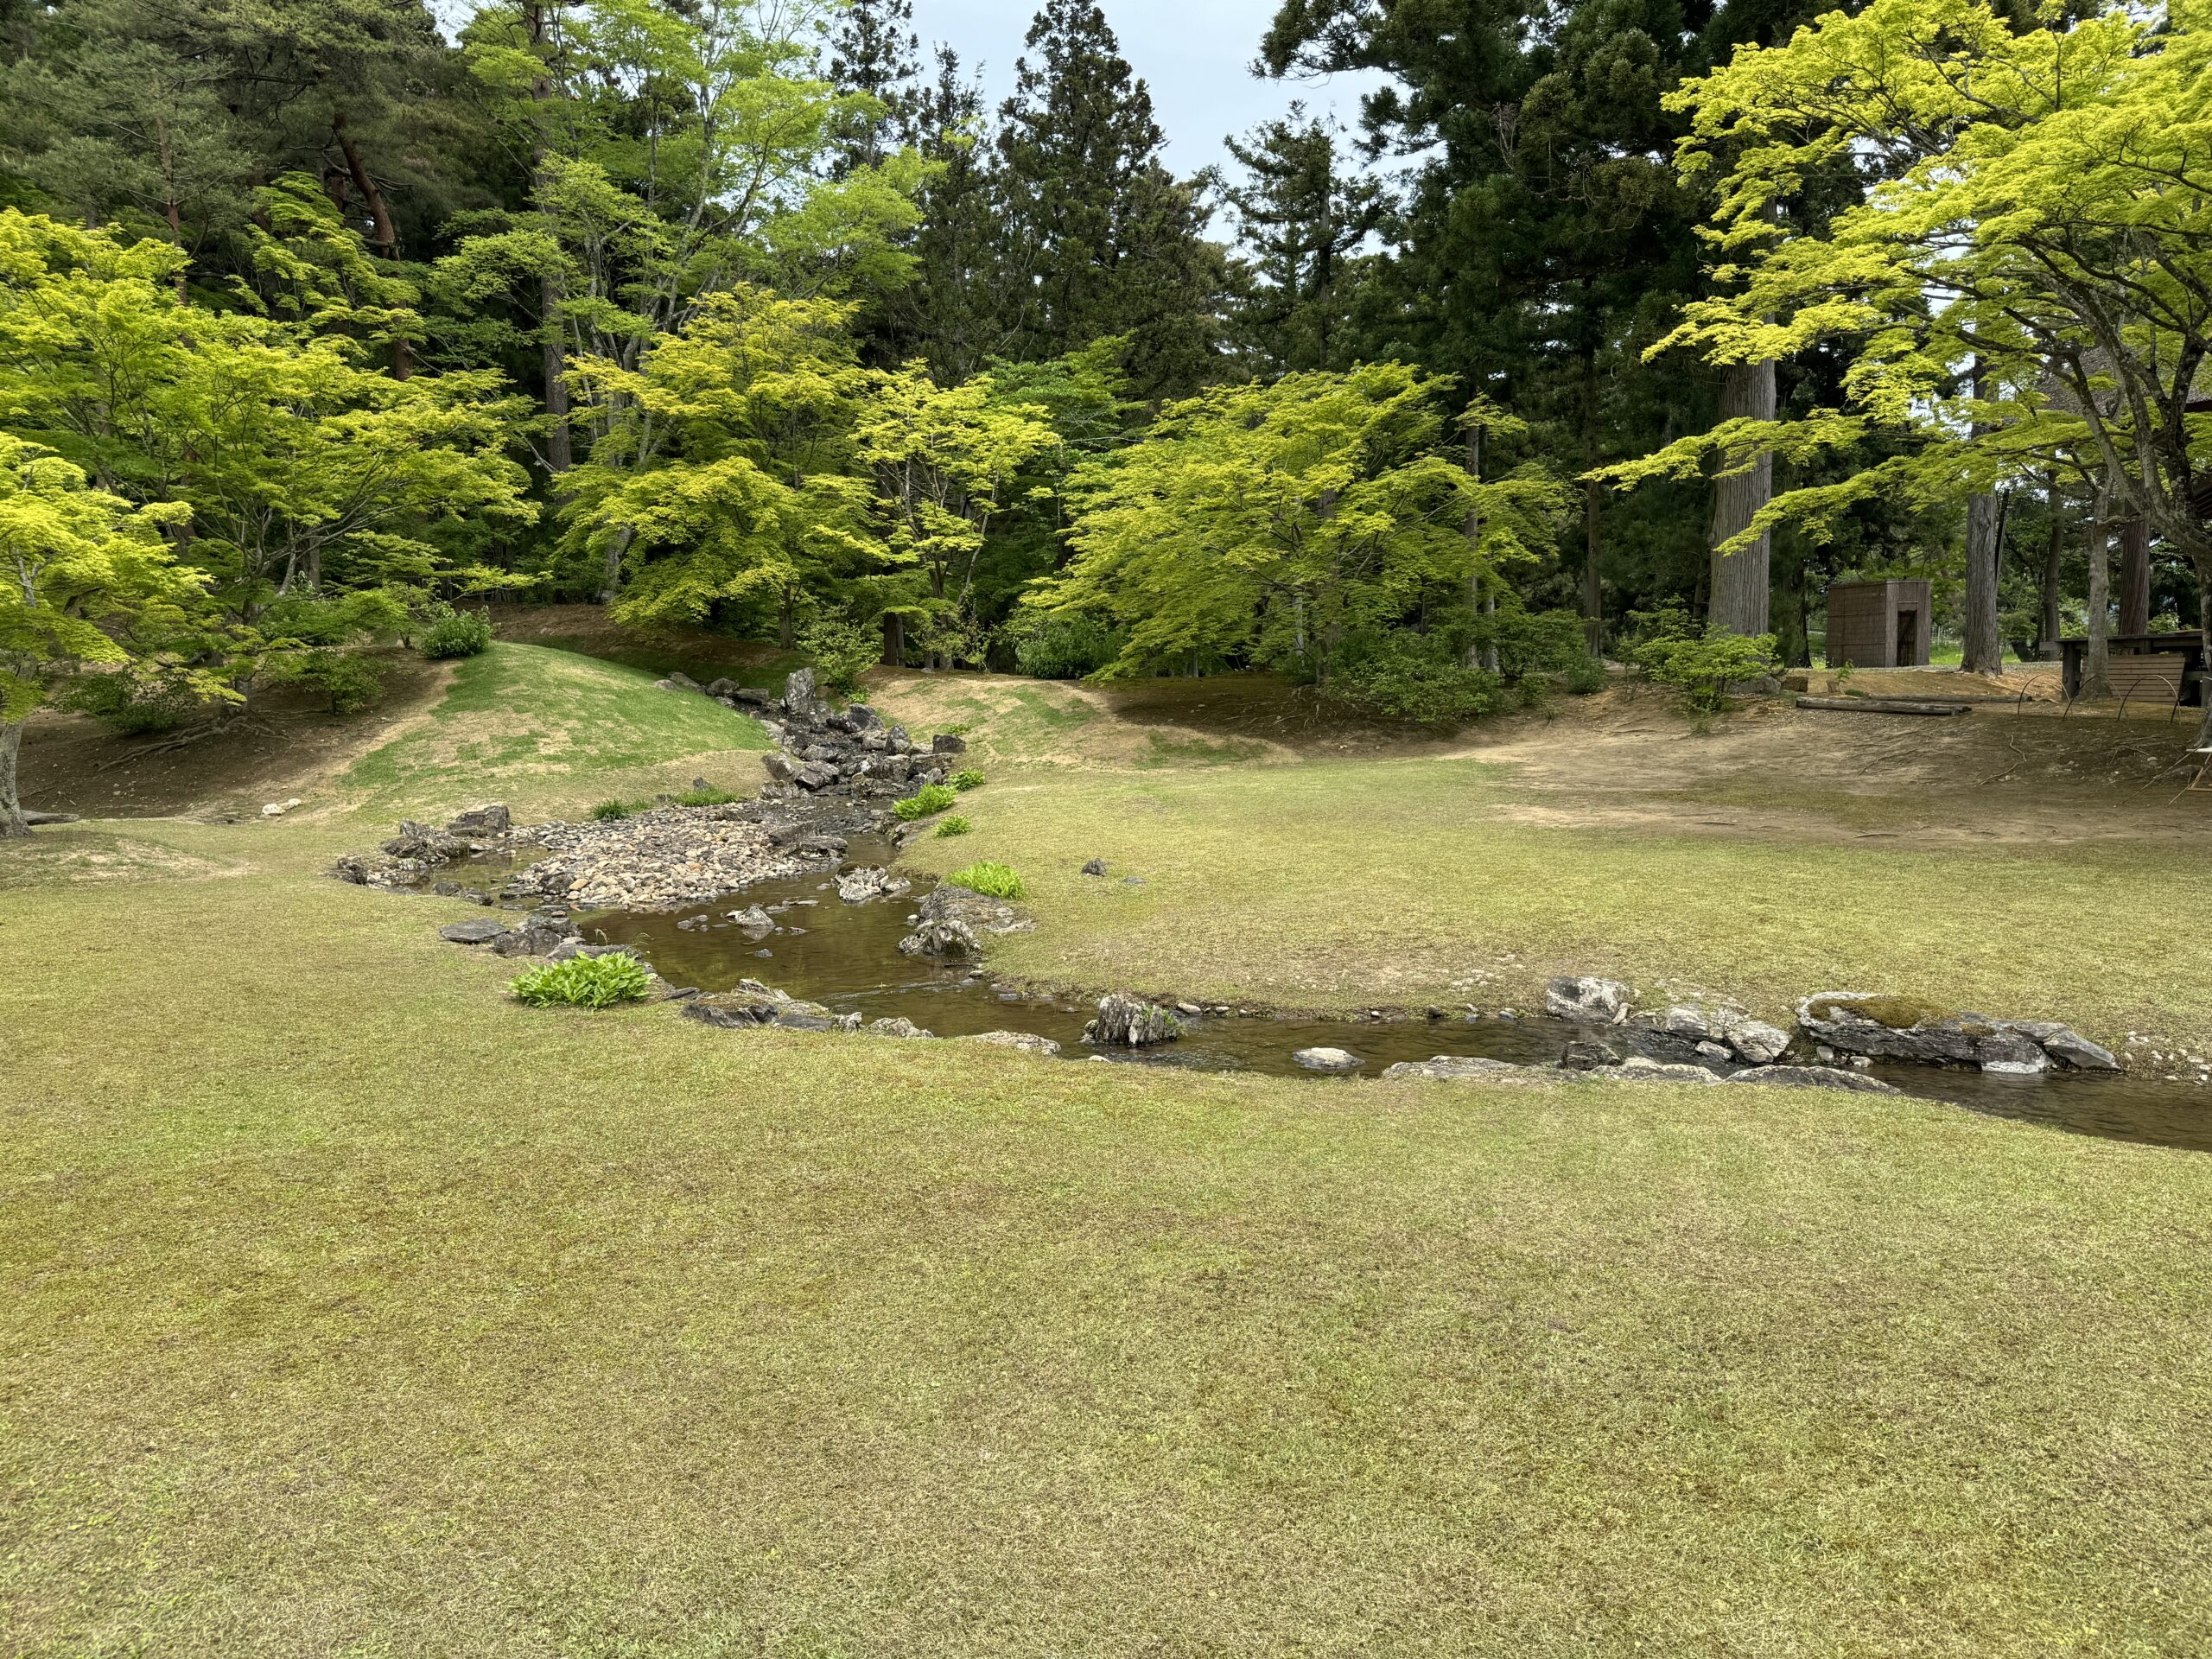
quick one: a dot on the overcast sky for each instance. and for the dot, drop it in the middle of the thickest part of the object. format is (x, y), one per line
(1196, 56)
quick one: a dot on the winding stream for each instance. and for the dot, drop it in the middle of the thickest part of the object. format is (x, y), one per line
(846, 957)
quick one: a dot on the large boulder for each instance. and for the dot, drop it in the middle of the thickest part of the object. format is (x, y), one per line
(1128, 1021)
(1588, 1000)
(755, 1004)
(801, 699)
(479, 929)
(482, 821)
(897, 1028)
(1328, 1059)
(815, 776)
(948, 743)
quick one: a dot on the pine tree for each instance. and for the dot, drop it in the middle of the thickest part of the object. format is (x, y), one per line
(1099, 237)
(1303, 222)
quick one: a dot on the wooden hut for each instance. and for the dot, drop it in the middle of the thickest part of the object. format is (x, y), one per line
(1879, 624)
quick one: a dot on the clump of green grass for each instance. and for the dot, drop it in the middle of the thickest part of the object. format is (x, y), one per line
(613, 811)
(584, 983)
(926, 802)
(966, 778)
(955, 825)
(710, 796)
(992, 880)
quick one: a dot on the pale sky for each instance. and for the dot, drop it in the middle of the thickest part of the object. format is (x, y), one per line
(1195, 54)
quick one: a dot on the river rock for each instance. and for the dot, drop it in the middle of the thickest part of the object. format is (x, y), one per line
(901, 1027)
(1126, 1020)
(1588, 1057)
(1754, 1041)
(1814, 1077)
(1027, 1041)
(538, 935)
(1639, 1070)
(948, 743)
(1589, 1000)
(859, 886)
(815, 776)
(946, 938)
(1893, 1028)
(1095, 867)
(482, 821)
(753, 919)
(1328, 1059)
(480, 930)
(1467, 1068)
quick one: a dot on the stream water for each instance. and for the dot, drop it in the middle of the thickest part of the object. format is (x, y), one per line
(846, 957)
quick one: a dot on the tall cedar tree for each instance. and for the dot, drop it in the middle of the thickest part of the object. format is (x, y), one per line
(1098, 237)
(1303, 220)
(873, 51)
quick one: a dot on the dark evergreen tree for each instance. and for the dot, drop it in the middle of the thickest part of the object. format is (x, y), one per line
(1097, 237)
(874, 52)
(1303, 220)
(944, 315)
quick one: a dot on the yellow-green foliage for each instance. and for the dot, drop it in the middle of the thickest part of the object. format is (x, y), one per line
(993, 880)
(928, 799)
(583, 983)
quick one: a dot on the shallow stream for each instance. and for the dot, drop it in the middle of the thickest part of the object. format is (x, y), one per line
(846, 957)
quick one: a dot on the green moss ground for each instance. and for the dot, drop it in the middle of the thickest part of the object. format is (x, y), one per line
(1339, 885)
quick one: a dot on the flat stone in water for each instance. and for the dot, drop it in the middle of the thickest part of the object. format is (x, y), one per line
(1328, 1059)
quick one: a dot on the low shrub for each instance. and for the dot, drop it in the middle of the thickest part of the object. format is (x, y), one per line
(349, 680)
(1585, 678)
(448, 633)
(1413, 677)
(1063, 647)
(1703, 668)
(926, 802)
(967, 779)
(955, 825)
(841, 651)
(992, 880)
(584, 983)
(131, 707)
(611, 811)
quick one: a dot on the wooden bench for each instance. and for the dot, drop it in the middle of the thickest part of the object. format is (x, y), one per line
(2156, 676)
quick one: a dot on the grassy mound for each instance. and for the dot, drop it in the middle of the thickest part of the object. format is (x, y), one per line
(547, 729)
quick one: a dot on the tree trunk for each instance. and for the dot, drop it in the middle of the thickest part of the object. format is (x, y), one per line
(894, 640)
(787, 621)
(2135, 577)
(2204, 635)
(12, 821)
(1593, 583)
(2054, 570)
(1740, 582)
(617, 545)
(2096, 661)
(387, 231)
(1982, 644)
(559, 453)
(1479, 652)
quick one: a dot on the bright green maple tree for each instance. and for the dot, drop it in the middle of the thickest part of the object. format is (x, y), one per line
(87, 582)
(1276, 524)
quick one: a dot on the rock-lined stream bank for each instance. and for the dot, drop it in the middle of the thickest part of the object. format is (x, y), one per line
(788, 911)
